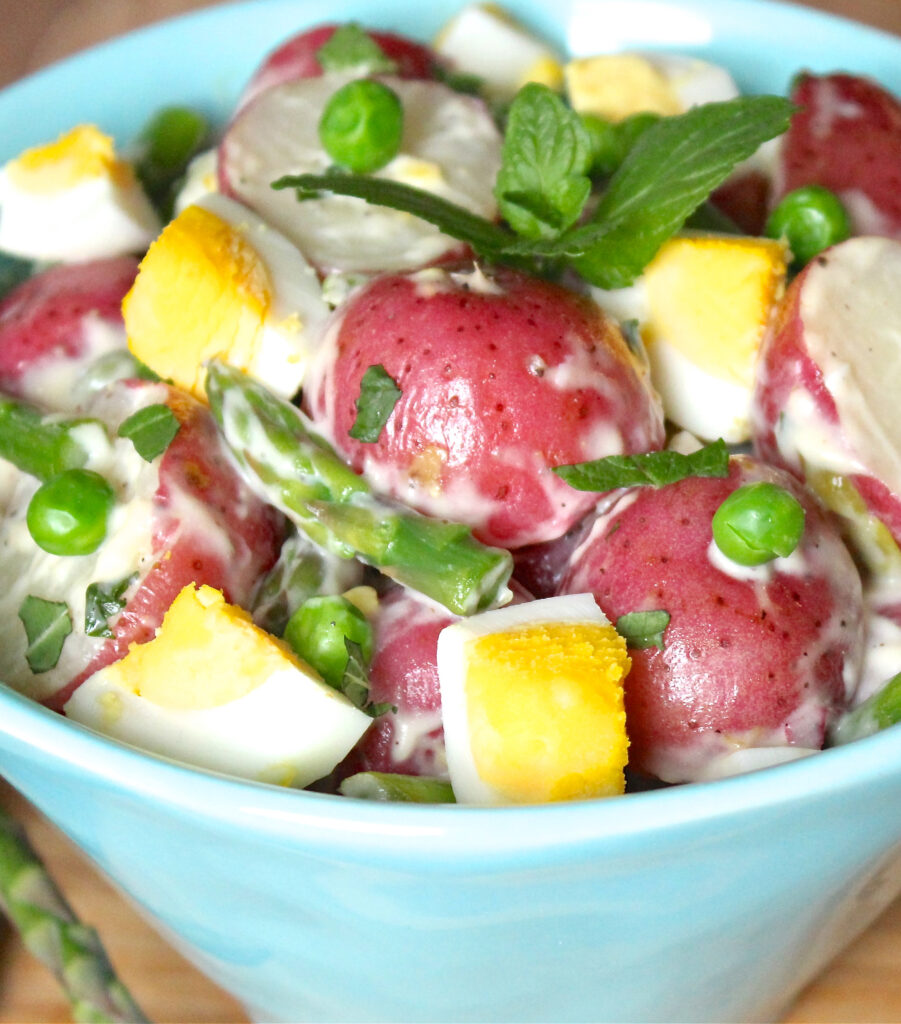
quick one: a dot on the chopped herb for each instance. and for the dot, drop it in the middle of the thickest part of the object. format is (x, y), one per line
(151, 430)
(643, 629)
(543, 182)
(649, 469)
(459, 81)
(632, 333)
(350, 47)
(47, 624)
(355, 684)
(669, 172)
(102, 602)
(378, 396)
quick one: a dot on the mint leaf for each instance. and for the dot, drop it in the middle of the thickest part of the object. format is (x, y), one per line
(47, 624)
(355, 682)
(641, 630)
(649, 469)
(378, 396)
(150, 430)
(666, 176)
(102, 602)
(543, 182)
(351, 48)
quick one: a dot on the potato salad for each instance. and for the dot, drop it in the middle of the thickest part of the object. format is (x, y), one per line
(461, 421)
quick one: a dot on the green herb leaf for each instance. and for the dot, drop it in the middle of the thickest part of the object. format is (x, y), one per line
(649, 469)
(643, 629)
(378, 396)
(543, 182)
(351, 48)
(102, 602)
(355, 683)
(666, 176)
(151, 430)
(47, 624)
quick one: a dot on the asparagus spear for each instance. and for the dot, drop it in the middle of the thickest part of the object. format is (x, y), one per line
(39, 445)
(877, 712)
(299, 473)
(52, 933)
(388, 786)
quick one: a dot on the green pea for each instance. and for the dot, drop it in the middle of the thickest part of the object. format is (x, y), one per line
(809, 219)
(362, 125)
(317, 630)
(757, 523)
(68, 513)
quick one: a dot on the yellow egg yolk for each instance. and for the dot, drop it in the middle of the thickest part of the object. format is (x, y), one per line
(711, 298)
(205, 653)
(545, 711)
(80, 154)
(202, 291)
(615, 86)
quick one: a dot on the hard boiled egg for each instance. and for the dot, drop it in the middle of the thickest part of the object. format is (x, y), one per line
(213, 690)
(221, 282)
(615, 86)
(484, 40)
(532, 703)
(72, 200)
(703, 306)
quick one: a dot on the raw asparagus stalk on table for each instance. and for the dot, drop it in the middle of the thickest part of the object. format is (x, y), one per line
(51, 932)
(300, 474)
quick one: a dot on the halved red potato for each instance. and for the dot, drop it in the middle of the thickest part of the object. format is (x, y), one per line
(450, 146)
(761, 657)
(502, 377)
(824, 405)
(53, 325)
(846, 136)
(186, 516)
(297, 58)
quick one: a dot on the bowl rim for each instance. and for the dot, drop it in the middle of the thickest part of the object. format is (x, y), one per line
(462, 830)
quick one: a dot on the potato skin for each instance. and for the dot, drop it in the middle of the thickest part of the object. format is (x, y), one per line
(751, 657)
(502, 377)
(43, 320)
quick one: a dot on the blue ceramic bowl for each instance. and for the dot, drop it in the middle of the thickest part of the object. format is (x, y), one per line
(705, 902)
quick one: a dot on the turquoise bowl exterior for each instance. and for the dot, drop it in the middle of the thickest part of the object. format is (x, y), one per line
(711, 902)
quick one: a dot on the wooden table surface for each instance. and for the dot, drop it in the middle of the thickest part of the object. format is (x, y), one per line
(862, 985)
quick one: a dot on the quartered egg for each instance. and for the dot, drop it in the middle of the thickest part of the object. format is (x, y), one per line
(72, 200)
(484, 40)
(615, 86)
(532, 703)
(220, 282)
(703, 306)
(214, 690)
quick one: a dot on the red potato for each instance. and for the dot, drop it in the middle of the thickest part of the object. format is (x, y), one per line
(297, 58)
(404, 672)
(745, 198)
(502, 376)
(751, 658)
(450, 146)
(187, 517)
(847, 137)
(63, 316)
(824, 406)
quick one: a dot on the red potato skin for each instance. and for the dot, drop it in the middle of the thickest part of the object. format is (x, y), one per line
(765, 662)
(482, 415)
(745, 198)
(297, 58)
(785, 364)
(404, 673)
(195, 465)
(42, 320)
(846, 137)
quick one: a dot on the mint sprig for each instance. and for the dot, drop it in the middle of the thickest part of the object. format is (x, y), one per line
(647, 469)
(543, 183)
(665, 177)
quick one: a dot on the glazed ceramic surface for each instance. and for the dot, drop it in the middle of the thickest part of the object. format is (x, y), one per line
(704, 902)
